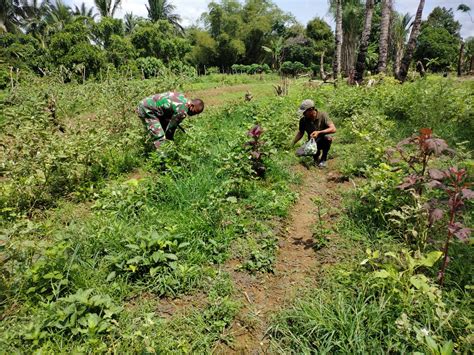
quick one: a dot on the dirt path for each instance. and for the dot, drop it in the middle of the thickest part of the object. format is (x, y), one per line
(296, 266)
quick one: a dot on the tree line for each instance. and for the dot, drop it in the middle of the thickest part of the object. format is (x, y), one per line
(49, 36)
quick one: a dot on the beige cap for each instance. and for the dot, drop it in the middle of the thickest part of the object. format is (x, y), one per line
(306, 104)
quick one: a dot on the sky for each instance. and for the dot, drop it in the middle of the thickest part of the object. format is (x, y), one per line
(303, 10)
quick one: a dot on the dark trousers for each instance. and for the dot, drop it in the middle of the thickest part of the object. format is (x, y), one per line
(324, 144)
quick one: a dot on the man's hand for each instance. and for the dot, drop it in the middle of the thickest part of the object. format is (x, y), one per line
(315, 134)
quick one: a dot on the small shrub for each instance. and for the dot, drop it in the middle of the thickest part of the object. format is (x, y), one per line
(292, 68)
(262, 259)
(49, 277)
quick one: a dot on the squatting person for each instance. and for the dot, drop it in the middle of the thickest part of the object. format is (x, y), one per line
(317, 125)
(162, 113)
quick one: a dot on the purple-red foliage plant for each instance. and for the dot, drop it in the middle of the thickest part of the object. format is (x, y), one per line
(256, 152)
(416, 152)
(456, 186)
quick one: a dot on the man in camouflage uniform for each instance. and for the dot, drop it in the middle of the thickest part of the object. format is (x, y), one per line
(162, 113)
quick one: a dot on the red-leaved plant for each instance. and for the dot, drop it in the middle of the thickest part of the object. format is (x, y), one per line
(416, 152)
(454, 182)
(256, 153)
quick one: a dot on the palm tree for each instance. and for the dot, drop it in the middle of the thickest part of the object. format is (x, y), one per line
(107, 8)
(84, 11)
(464, 8)
(384, 30)
(415, 31)
(163, 10)
(129, 22)
(364, 41)
(337, 53)
(352, 21)
(59, 15)
(10, 14)
(400, 28)
(33, 16)
(275, 48)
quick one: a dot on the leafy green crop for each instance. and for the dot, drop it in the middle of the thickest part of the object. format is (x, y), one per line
(148, 254)
(82, 314)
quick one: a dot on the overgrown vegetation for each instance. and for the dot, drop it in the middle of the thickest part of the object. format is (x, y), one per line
(407, 293)
(160, 230)
(101, 235)
(98, 231)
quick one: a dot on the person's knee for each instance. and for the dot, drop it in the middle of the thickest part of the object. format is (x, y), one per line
(324, 142)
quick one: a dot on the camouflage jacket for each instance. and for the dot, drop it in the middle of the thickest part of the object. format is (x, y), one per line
(169, 107)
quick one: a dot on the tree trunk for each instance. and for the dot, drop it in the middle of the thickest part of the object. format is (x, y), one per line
(337, 53)
(321, 68)
(420, 68)
(461, 59)
(364, 41)
(348, 58)
(398, 60)
(384, 30)
(410, 48)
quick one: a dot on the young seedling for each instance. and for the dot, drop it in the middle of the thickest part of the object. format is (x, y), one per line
(320, 232)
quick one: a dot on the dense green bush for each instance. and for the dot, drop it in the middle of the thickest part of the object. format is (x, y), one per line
(157, 40)
(120, 51)
(250, 69)
(437, 49)
(150, 66)
(181, 69)
(292, 68)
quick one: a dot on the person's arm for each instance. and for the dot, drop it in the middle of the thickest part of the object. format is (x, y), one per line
(300, 132)
(298, 136)
(329, 130)
(179, 115)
